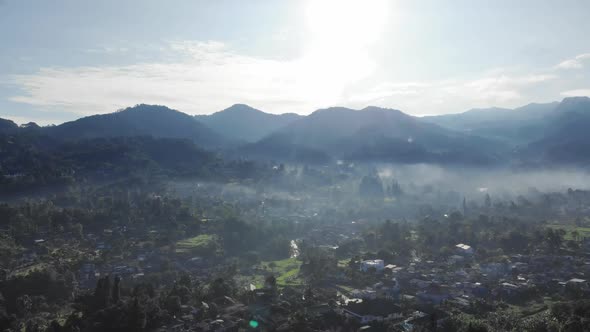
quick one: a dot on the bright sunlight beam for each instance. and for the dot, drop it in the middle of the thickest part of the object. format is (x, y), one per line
(346, 21)
(340, 35)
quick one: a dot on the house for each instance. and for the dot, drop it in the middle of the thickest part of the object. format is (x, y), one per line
(464, 249)
(365, 294)
(479, 290)
(377, 264)
(433, 295)
(509, 290)
(390, 267)
(372, 310)
(417, 318)
(576, 284)
(520, 267)
(420, 283)
(388, 289)
(494, 270)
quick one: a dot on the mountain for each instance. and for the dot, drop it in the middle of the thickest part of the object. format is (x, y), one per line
(140, 120)
(29, 164)
(244, 123)
(7, 125)
(566, 139)
(374, 134)
(513, 126)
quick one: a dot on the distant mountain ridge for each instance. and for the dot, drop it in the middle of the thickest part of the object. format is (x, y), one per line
(244, 123)
(7, 125)
(517, 126)
(140, 120)
(566, 139)
(373, 134)
(551, 133)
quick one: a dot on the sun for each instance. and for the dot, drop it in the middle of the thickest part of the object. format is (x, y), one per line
(338, 21)
(337, 54)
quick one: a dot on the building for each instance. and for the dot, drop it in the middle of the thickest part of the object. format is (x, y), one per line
(374, 263)
(372, 310)
(576, 284)
(464, 249)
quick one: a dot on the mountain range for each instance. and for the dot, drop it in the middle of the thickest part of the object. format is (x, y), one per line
(541, 134)
(141, 120)
(244, 123)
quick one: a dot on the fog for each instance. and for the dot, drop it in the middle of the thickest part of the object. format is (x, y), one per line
(494, 181)
(330, 193)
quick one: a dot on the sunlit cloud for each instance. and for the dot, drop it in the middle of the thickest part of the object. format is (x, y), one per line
(449, 96)
(574, 63)
(207, 77)
(576, 93)
(203, 77)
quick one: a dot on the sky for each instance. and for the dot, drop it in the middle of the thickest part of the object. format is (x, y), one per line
(64, 59)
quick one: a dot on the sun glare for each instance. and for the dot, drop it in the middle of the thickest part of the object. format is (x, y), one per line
(358, 21)
(340, 35)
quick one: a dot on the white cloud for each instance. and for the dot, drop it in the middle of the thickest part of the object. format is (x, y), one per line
(576, 93)
(448, 96)
(206, 77)
(383, 90)
(574, 63)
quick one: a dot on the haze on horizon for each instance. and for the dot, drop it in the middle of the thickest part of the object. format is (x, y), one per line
(67, 59)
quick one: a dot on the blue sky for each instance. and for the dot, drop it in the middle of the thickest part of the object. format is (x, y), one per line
(64, 59)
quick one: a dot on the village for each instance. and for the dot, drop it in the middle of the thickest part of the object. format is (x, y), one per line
(399, 292)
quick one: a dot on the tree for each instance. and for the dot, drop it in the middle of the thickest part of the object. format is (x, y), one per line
(554, 238)
(78, 230)
(464, 206)
(219, 287)
(173, 304)
(137, 317)
(576, 235)
(117, 290)
(102, 293)
(488, 201)
(371, 187)
(270, 283)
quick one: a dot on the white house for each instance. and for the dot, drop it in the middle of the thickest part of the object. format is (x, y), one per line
(464, 249)
(374, 263)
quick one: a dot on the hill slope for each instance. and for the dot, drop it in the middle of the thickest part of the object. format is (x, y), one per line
(141, 120)
(566, 139)
(244, 123)
(7, 125)
(375, 134)
(513, 126)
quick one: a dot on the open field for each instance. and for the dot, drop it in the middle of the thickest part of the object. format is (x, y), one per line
(286, 271)
(569, 229)
(197, 243)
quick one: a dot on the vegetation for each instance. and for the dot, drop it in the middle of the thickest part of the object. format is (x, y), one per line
(148, 233)
(200, 244)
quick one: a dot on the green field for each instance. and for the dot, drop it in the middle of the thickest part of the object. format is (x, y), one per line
(582, 231)
(200, 243)
(286, 271)
(343, 262)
